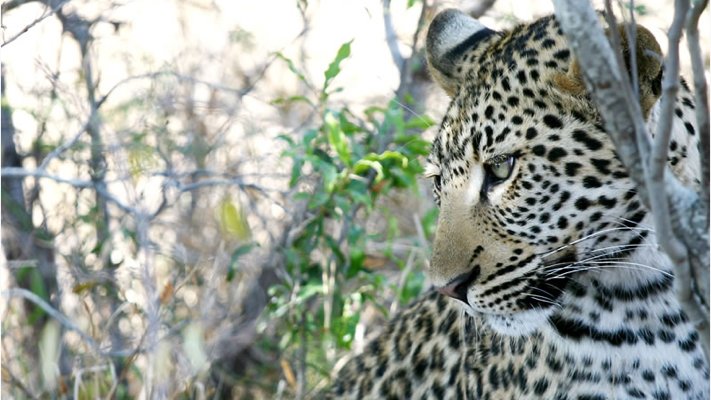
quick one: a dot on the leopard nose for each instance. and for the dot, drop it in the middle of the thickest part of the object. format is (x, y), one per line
(457, 288)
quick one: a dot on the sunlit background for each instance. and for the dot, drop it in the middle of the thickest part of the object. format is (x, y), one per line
(216, 198)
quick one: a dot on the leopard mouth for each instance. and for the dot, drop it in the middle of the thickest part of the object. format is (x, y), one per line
(542, 291)
(459, 286)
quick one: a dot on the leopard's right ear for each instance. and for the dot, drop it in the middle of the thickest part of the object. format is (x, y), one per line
(451, 36)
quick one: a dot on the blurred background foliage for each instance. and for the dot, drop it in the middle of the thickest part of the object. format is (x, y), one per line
(213, 199)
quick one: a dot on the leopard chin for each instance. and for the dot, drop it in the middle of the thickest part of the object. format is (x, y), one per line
(521, 324)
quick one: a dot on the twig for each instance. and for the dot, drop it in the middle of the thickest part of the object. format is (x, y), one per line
(81, 184)
(658, 162)
(604, 80)
(616, 44)
(391, 37)
(223, 182)
(405, 73)
(16, 381)
(176, 75)
(481, 7)
(686, 280)
(631, 29)
(21, 172)
(38, 301)
(402, 281)
(44, 15)
(700, 260)
(700, 95)
(301, 371)
(63, 147)
(11, 5)
(625, 125)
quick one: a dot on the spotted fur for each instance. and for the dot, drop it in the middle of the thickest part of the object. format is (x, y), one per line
(558, 290)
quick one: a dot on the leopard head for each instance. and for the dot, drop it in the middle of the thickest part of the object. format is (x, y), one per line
(528, 183)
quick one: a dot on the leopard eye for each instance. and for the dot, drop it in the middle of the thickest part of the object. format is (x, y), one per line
(433, 171)
(500, 168)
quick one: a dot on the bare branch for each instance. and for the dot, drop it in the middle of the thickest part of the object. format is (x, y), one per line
(81, 184)
(62, 148)
(21, 172)
(700, 95)
(658, 162)
(6, 372)
(12, 4)
(391, 37)
(178, 76)
(623, 121)
(631, 30)
(604, 79)
(480, 8)
(61, 318)
(45, 14)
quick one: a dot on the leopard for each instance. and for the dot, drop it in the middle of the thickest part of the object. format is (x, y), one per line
(548, 282)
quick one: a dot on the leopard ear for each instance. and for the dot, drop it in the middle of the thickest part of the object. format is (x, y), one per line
(452, 35)
(649, 68)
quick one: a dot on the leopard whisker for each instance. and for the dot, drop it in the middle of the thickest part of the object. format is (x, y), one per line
(545, 300)
(623, 247)
(611, 264)
(607, 255)
(590, 236)
(617, 220)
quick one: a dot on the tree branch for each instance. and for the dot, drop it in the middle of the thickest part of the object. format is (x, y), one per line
(480, 8)
(604, 79)
(61, 318)
(391, 37)
(610, 89)
(658, 162)
(81, 184)
(700, 95)
(45, 14)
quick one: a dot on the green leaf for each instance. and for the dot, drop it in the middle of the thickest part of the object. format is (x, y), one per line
(335, 67)
(233, 221)
(287, 139)
(421, 122)
(337, 139)
(239, 252)
(389, 155)
(429, 222)
(296, 171)
(361, 166)
(330, 176)
(292, 99)
(414, 282)
(356, 263)
(349, 128)
(309, 290)
(292, 67)
(335, 248)
(36, 285)
(309, 136)
(359, 192)
(319, 199)
(415, 145)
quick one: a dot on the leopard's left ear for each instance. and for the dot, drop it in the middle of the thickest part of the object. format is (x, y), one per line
(451, 37)
(649, 68)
